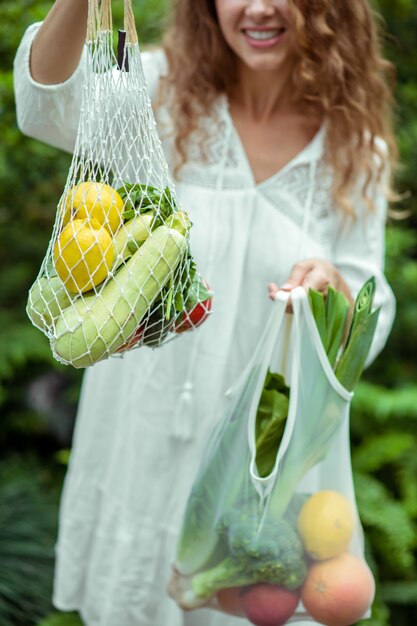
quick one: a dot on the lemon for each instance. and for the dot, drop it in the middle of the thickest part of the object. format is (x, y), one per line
(90, 200)
(325, 524)
(83, 255)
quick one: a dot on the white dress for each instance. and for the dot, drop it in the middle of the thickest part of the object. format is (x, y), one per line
(144, 419)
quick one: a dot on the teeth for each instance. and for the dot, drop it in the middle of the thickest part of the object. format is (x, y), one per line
(263, 34)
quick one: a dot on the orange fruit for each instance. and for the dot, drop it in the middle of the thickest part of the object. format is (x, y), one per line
(338, 592)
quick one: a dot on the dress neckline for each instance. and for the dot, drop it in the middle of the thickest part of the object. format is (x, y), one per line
(312, 151)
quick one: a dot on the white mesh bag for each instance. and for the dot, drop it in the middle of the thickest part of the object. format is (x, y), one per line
(287, 544)
(118, 273)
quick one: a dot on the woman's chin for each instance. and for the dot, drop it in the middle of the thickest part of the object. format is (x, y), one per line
(268, 64)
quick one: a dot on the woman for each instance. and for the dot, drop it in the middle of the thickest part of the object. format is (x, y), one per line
(274, 116)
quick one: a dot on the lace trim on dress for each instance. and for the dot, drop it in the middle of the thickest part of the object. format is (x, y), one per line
(287, 191)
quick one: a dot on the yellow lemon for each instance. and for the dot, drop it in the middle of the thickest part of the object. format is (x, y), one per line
(325, 524)
(90, 200)
(83, 255)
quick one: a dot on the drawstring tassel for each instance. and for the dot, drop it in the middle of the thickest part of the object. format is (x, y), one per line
(183, 417)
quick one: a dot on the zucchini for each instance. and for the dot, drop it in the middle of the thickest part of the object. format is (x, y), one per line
(130, 236)
(97, 325)
(47, 299)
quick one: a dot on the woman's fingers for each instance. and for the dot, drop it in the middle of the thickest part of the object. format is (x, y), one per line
(272, 290)
(317, 279)
(314, 274)
(298, 275)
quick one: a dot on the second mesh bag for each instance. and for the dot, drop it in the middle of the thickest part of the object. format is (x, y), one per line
(276, 542)
(118, 273)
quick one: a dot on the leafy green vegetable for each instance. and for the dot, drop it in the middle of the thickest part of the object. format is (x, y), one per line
(363, 305)
(352, 361)
(337, 310)
(270, 421)
(361, 334)
(318, 309)
(349, 365)
(141, 198)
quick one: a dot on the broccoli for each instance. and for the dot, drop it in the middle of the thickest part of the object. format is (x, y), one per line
(268, 551)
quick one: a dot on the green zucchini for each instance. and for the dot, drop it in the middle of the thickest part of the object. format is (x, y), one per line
(130, 236)
(97, 325)
(47, 299)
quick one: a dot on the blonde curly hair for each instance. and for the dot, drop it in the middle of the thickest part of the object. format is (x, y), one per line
(340, 74)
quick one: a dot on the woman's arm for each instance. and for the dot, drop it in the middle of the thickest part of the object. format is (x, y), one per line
(58, 44)
(49, 113)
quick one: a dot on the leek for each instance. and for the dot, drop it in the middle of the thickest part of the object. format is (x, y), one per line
(337, 310)
(319, 312)
(316, 440)
(199, 540)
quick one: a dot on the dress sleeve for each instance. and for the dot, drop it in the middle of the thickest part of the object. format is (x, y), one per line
(50, 113)
(359, 253)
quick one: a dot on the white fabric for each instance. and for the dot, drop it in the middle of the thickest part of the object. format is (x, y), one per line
(135, 452)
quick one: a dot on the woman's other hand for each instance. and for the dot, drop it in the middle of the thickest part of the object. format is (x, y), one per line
(315, 274)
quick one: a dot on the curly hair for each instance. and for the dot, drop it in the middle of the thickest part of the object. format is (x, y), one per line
(340, 74)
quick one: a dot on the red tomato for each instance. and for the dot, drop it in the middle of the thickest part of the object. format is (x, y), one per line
(196, 316)
(133, 340)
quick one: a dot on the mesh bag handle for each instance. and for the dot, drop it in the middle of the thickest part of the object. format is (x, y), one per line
(100, 20)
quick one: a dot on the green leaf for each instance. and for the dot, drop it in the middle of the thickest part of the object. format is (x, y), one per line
(337, 310)
(352, 361)
(318, 309)
(270, 421)
(61, 619)
(363, 305)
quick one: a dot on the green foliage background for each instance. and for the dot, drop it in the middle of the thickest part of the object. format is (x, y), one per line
(38, 397)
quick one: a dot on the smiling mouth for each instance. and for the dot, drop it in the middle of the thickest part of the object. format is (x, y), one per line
(264, 35)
